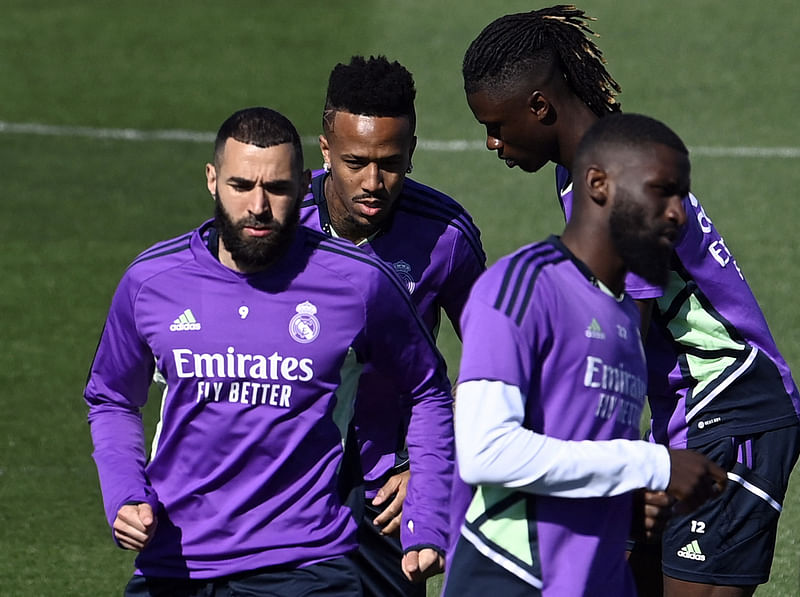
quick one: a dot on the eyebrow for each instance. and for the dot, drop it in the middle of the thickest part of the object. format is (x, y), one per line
(248, 181)
(355, 156)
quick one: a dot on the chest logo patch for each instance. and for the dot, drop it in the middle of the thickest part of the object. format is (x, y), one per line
(304, 326)
(185, 322)
(403, 270)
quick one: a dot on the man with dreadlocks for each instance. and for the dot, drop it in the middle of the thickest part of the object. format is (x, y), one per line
(365, 196)
(716, 381)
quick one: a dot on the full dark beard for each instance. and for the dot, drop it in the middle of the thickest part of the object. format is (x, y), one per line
(254, 253)
(638, 245)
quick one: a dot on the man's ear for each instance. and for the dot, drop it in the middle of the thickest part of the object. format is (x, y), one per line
(211, 179)
(541, 107)
(325, 149)
(597, 183)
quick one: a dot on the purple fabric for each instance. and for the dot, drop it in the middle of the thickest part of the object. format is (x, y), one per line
(249, 451)
(536, 321)
(693, 403)
(433, 246)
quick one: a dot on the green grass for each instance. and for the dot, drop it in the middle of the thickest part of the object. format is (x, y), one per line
(77, 210)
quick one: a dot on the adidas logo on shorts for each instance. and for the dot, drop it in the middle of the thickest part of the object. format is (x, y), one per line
(691, 551)
(185, 322)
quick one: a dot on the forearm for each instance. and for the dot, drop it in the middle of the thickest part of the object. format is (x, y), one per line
(118, 438)
(430, 449)
(494, 448)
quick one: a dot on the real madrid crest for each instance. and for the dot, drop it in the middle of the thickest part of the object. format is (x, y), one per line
(403, 270)
(304, 326)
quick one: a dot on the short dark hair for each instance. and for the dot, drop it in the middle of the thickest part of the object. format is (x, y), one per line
(631, 130)
(259, 126)
(540, 42)
(371, 87)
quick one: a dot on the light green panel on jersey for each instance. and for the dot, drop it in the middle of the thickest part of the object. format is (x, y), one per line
(695, 327)
(507, 528)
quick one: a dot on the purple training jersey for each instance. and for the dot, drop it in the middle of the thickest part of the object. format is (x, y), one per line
(251, 463)
(435, 249)
(538, 321)
(714, 368)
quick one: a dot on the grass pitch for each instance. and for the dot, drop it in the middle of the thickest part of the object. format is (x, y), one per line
(79, 208)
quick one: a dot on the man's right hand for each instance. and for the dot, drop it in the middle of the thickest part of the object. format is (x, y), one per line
(694, 479)
(135, 526)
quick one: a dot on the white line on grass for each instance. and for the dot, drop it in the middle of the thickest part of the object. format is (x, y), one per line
(458, 145)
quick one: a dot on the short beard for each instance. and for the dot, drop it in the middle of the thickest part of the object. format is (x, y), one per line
(254, 253)
(640, 247)
(350, 227)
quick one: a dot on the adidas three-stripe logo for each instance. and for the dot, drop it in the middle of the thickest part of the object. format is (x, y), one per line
(185, 322)
(691, 551)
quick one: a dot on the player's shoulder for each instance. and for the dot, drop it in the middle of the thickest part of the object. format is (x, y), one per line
(162, 256)
(427, 202)
(431, 206)
(510, 282)
(342, 259)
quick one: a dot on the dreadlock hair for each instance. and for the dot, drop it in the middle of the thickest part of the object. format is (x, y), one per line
(370, 87)
(263, 127)
(626, 130)
(542, 41)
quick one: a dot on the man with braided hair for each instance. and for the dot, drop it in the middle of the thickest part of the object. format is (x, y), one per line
(365, 196)
(716, 381)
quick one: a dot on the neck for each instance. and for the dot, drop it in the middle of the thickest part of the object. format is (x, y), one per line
(580, 119)
(595, 249)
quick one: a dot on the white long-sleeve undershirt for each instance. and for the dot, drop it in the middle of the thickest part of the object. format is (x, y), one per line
(493, 448)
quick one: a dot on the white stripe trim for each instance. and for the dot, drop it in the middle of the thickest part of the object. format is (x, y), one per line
(757, 491)
(454, 145)
(501, 560)
(721, 387)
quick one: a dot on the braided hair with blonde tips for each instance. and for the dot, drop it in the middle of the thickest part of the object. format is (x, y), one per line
(540, 43)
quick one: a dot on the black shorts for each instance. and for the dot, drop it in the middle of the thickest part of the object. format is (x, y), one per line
(379, 560)
(731, 539)
(333, 578)
(472, 574)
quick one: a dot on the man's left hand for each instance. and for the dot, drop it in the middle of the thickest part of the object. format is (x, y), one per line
(395, 489)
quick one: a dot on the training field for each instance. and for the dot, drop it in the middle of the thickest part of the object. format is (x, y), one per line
(106, 120)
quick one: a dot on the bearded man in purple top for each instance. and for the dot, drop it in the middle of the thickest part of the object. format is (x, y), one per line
(427, 238)
(553, 381)
(259, 330)
(716, 380)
